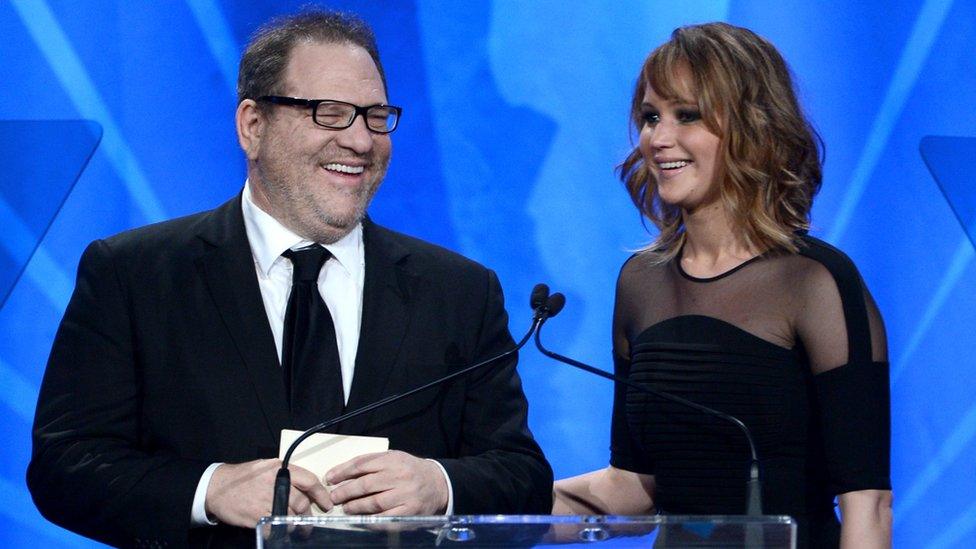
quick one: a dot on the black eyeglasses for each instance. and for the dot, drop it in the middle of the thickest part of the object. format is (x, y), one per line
(339, 115)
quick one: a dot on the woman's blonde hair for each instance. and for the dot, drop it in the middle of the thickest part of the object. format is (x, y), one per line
(769, 155)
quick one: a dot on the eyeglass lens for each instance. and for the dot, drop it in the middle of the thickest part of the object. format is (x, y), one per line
(341, 115)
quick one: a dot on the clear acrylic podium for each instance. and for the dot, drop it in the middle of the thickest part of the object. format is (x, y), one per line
(659, 531)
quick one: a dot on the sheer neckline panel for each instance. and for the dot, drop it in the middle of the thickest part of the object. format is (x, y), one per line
(719, 276)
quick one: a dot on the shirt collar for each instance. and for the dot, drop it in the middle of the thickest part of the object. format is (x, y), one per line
(269, 238)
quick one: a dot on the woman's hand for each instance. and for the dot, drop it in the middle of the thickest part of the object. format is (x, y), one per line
(609, 491)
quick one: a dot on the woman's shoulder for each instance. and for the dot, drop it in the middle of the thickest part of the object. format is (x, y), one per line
(642, 274)
(831, 257)
(819, 262)
(644, 262)
(834, 283)
(642, 267)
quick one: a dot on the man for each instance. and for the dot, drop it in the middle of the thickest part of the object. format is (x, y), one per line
(174, 369)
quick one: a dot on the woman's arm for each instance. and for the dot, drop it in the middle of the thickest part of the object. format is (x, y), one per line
(865, 519)
(609, 491)
(841, 327)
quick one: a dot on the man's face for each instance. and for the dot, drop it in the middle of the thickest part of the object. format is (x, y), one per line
(318, 181)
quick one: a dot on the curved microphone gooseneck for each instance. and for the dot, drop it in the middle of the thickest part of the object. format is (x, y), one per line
(539, 302)
(555, 303)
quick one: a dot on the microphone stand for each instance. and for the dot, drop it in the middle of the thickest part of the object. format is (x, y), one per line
(753, 485)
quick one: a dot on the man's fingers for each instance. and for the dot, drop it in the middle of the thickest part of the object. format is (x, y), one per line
(389, 483)
(302, 478)
(240, 493)
(356, 467)
(306, 481)
(369, 505)
(398, 511)
(298, 503)
(374, 483)
(320, 495)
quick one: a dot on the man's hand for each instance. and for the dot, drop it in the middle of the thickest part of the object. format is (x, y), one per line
(240, 494)
(388, 483)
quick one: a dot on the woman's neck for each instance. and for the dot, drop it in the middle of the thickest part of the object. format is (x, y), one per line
(713, 245)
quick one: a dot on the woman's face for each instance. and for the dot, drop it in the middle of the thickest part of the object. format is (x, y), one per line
(679, 150)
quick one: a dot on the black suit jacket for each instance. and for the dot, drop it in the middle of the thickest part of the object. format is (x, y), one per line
(164, 363)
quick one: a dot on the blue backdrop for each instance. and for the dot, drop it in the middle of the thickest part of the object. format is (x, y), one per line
(515, 115)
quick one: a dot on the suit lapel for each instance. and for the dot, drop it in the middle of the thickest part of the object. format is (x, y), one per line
(228, 269)
(386, 311)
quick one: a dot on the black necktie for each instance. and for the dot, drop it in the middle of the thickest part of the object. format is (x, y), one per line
(310, 355)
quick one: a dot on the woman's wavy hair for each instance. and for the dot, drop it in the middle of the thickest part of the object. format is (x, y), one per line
(769, 161)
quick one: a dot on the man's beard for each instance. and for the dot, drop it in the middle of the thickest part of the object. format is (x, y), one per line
(300, 209)
(331, 227)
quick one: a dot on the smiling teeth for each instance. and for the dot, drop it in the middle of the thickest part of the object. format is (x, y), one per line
(673, 165)
(344, 168)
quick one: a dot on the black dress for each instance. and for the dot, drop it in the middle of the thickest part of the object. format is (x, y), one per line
(791, 344)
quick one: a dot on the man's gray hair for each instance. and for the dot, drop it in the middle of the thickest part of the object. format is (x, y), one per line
(266, 55)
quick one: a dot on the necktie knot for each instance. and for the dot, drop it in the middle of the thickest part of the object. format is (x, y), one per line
(307, 262)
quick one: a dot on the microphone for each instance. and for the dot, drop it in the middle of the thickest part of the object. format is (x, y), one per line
(539, 301)
(539, 297)
(555, 304)
(544, 305)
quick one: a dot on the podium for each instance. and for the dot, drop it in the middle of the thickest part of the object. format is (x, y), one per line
(659, 531)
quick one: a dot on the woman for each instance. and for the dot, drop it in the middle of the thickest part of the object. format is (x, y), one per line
(735, 307)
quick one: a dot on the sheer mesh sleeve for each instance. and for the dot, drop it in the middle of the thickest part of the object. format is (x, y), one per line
(625, 450)
(841, 329)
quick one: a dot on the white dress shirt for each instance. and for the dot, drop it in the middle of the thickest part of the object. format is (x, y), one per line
(340, 280)
(340, 283)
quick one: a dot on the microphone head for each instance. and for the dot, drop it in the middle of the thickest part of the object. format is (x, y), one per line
(555, 304)
(540, 294)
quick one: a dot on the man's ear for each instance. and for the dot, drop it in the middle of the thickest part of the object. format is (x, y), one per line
(250, 123)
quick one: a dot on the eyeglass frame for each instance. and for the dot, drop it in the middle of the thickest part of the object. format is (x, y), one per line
(314, 104)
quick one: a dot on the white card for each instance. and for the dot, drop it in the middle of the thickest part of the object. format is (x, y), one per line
(323, 451)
